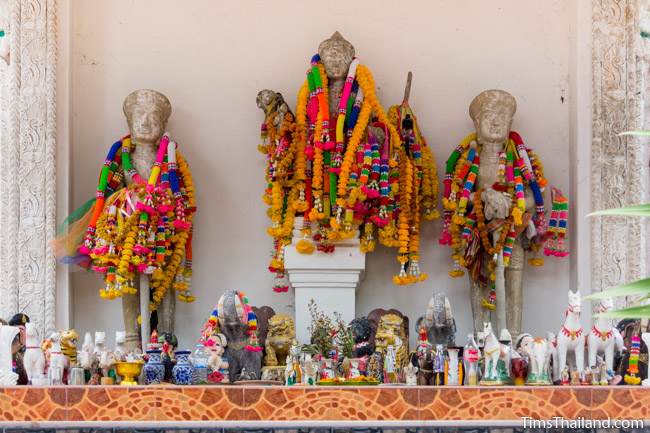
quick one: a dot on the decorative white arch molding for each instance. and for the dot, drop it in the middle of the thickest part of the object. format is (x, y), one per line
(27, 162)
(619, 173)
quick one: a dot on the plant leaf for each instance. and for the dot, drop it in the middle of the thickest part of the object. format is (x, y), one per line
(637, 312)
(635, 133)
(642, 210)
(638, 287)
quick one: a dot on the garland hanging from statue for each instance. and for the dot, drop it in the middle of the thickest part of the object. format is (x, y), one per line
(145, 227)
(361, 171)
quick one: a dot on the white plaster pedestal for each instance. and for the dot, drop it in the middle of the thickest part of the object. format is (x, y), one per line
(331, 280)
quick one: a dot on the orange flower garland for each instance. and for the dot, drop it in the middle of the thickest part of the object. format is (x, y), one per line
(339, 192)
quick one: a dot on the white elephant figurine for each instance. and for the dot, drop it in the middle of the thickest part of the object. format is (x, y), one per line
(539, 353)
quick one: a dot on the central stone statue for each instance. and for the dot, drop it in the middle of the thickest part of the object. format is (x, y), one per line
(340, 163)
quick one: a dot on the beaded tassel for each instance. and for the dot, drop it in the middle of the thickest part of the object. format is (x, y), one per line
(631, 377)
(557, 225)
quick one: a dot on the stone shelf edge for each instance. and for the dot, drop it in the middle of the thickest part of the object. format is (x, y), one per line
(252, 403)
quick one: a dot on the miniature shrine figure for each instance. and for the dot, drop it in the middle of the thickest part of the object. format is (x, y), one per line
(33, 358)
(423, 358)
(217, 362)
(361, 333)
(577, 378)
(495, 210)
(281, 335)
(587, 376)
(519, 369)
(601, 338)
(411, 374)
(309, 370)
(454, 367)
(495, 357)
(471, 356)
(20, 320)
(294, 371)
(120, 352)
(374, 367)
(390, 367)
(539, 358)
(354, 370)
(565, 376)
(595, 375)
(235, 319)
(439, 321)
(439, 365)
(571, 336)
(392, 331)
(605, 375)
(168, 342)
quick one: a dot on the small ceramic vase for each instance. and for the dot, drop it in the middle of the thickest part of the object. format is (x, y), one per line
(154, 370)
(183, 370)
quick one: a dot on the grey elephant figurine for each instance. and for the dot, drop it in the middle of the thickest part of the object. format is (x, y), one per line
(439, 321)
(244, 363)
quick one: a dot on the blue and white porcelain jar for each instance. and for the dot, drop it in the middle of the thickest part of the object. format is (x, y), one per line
(154, 370)
(183, 371)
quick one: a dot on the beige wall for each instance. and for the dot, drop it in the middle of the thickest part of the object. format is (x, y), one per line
(211, 58)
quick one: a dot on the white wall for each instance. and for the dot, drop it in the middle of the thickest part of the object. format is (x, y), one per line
(211, 58)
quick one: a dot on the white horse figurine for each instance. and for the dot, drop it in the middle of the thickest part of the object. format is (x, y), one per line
(34, 359)
(492, 351)
(539, 354)
(571, 335)
(58, 361)
(601, 338)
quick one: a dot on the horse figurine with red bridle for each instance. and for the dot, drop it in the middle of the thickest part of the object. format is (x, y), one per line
(571, 335)
(601, 337)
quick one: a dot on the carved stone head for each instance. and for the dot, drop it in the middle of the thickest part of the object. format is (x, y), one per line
(147, 112)
(336, 53)
(492, 112)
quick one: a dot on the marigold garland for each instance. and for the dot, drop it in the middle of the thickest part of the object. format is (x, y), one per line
(466, 229)
(367, 171)
(143, 227)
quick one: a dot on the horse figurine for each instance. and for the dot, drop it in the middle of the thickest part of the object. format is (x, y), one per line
(601, 337)
(58, 361)
(539, 353)
(34, 359)
(571, 336)
(493, 352)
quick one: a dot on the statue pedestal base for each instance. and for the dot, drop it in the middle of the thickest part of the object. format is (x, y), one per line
(331, 280)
